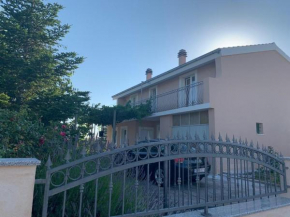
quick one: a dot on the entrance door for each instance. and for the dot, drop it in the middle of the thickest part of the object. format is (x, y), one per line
(124, 136)
(190, 90)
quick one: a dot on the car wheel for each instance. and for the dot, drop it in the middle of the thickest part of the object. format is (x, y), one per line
(158, 176)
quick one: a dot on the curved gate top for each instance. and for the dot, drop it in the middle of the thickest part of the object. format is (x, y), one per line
(163, 177)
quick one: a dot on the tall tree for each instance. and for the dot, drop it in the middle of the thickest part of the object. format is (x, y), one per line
(33, 64)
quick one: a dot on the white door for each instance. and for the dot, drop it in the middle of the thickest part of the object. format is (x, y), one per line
(188, 95)
(124, 137)
(153, 94)
(187, 82)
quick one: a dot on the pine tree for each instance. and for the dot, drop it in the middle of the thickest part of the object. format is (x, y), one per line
(33, 63)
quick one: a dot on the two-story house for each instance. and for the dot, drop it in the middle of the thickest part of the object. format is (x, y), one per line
(242, 91)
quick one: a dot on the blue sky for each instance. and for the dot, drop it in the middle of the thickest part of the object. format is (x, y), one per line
(122, 38)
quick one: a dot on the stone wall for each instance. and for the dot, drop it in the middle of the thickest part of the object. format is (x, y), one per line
(17, 178)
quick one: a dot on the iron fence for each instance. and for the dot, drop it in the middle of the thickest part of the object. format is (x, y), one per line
(163, 177)
(183, 97)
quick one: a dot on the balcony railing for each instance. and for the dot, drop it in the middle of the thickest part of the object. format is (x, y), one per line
(182, 97)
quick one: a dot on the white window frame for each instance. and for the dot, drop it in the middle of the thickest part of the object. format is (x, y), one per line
(132, 96)
(190, 74)
(151, 88)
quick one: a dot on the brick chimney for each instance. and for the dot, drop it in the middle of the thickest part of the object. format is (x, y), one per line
(182, 56)
(148, 74)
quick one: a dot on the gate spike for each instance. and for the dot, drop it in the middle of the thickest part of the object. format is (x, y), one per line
(258, 146)
(246, 142)
(67, 157)
(83, 152)
(167, 137)
(227, 138)
(234, 139)
(182, 137)
(178, 136)
(240, 140)
(212, 137)
(204, 136)
(187, 135)
(220, 137)
(148, 136)
(126, 143)
(174, 137)
(196, 136)
(48, 163)
(251, 143)
(111, 146)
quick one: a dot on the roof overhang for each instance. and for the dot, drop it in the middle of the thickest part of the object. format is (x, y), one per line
(253, 49)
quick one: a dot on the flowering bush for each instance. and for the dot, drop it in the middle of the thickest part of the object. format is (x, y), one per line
(20, 133)
(24, 135)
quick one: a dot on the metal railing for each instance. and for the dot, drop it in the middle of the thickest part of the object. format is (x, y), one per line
(163, 177)
(182, 97)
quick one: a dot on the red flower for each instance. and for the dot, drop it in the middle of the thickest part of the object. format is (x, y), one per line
(62, 133)
(63, 126)
(41, 140)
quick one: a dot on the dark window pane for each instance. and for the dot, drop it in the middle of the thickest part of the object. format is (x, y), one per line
(176, 120)
(204, 117)
(259, 128)
(184, 119)
(194, 118)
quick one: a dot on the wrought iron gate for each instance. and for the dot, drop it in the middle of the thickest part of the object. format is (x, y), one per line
(164, 177)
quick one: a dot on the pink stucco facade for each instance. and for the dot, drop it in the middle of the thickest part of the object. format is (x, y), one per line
(253, 88)
(240, 89)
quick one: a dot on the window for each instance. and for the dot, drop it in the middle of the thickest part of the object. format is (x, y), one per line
(259, 128)
(176, 120)
(194, 118)
(184, 119)
(133, 100)
(204, 117)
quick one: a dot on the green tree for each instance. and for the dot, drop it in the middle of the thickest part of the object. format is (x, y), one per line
(60, 107)
(4, 100)
(33, 63)
(104, 115)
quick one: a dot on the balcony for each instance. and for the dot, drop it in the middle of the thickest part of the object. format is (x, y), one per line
(190, 95)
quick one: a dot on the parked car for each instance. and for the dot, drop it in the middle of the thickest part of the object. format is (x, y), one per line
(194, 167)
